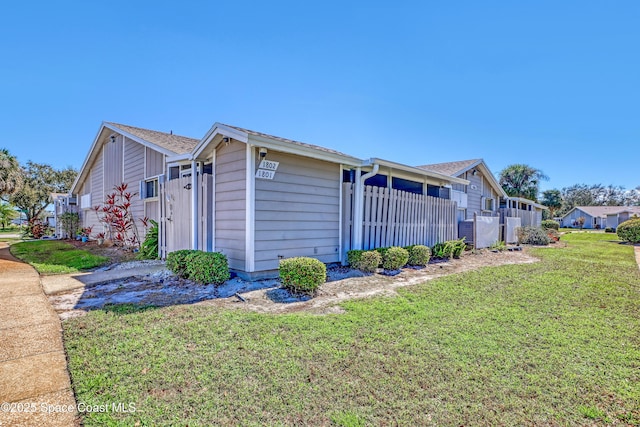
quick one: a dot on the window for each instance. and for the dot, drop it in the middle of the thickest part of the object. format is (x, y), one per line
(406, 185)
(488, 204)
(149, 188)
(174, 172)
(440, 192)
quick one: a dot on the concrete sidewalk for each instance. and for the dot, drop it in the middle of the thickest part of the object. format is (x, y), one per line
(33, 365)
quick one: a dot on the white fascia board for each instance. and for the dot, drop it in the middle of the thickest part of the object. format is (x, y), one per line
(87, 160)
(91, 154)
(418, 171)
(177, 158)
(492, 179)
(218, 129)
(532, 203)
(301, 150)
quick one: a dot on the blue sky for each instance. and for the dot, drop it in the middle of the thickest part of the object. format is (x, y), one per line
(551, 84)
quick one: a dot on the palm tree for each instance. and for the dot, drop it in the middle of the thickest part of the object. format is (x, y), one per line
(10, 173)
(520, 180)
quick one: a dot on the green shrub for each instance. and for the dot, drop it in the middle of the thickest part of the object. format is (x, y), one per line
(382, 251)
(609, 230)
(149, 248)
(448, 249)
(177, 261)
(419, 255)
(369, 261)
(550, 224)
(458, 247)
(302, 275)
(395, 258)
(629, 231)
(442, 250)
(532, 236)
(207, 267)
(353, 257)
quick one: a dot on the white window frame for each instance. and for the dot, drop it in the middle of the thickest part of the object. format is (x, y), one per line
(143, 188)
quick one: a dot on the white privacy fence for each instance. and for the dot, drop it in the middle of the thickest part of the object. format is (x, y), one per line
(398, 218)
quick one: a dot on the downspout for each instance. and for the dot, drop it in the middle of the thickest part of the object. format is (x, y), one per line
(194, 204)
(358, 208)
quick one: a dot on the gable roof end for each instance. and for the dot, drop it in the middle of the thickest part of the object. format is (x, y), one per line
(273, 142)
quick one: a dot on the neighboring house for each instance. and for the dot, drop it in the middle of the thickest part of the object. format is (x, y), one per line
(483, 193)
(126, 154)
(62, 203)
(598, 216)
(484, 196)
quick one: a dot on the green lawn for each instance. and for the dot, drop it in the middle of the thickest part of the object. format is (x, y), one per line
(56, 257)
(551, 343)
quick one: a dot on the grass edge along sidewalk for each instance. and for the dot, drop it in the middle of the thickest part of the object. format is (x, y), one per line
(550, 343)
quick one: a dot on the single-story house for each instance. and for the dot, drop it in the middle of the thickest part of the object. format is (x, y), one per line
(269, 198)
(598, 216)
(259, 198)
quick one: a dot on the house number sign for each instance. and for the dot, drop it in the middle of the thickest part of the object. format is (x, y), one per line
(267, 169)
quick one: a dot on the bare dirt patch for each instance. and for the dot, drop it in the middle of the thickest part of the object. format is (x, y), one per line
(115, 254)
(163, 289)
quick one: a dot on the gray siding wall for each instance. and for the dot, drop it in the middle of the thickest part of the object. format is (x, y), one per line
(154, 163)
(230, 201)
(478, 188)
(474, 194)
(133, 174)
(298, 212)
(113, 164)
(96, 188)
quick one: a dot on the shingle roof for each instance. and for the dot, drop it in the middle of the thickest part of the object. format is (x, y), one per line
(288, 141)
(451, 168)
(175, 143)
(599, 211)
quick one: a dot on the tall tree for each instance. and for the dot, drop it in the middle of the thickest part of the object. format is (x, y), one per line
(553, 200)
(520, 180)
(10, 173)
(40, 180)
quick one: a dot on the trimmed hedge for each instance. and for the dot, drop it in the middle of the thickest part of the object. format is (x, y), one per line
(177, 261)
(369, 261)
(302, 275)
(395, 258)
(629, 231)
(419, 255)
(207, 267)
(550, 224)
(353, 257)
(198, 266)
(532, 236)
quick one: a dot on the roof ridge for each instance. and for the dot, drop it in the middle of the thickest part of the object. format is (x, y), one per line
(151, 130)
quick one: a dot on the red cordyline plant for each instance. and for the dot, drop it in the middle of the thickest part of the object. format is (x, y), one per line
(117, 218)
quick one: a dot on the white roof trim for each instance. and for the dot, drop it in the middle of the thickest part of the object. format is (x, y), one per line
(274, 144)
(91, 153)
